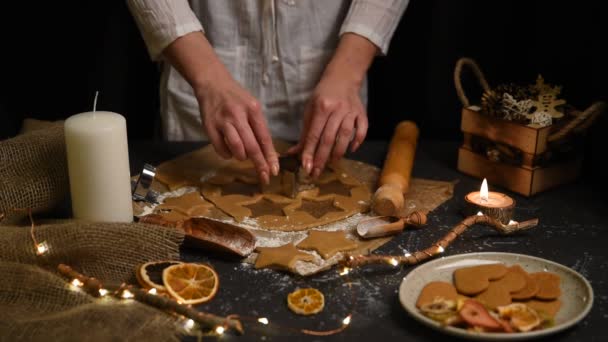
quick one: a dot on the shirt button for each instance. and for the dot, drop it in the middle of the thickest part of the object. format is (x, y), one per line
(265, 78)
(275, 58)
(290, 2)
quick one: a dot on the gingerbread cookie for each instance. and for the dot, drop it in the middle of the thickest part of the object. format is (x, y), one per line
(499, 292)
(550, 308)
(548, 285)
(475, 279)
(436, 290)
(529, 290)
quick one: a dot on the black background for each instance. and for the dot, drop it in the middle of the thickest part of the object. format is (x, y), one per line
(57, 54)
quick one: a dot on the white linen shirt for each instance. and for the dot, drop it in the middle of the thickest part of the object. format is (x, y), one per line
(276, 49)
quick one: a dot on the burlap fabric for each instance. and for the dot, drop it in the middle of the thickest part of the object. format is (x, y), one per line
(33, 171)
(36, 303)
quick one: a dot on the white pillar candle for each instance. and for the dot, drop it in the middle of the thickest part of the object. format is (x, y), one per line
(98, 163)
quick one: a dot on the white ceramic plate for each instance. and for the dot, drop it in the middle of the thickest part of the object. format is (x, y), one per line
(577, 294)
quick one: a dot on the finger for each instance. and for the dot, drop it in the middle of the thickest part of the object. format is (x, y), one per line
(326, 142)
(299, 148)
(261, 132)
(217, 141)
(344, 137)
(360, 133)
(234, 142)
(252, 148)
(311, 140)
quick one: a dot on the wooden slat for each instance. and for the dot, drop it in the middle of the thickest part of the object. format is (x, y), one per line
(510, 177)
(529, 140)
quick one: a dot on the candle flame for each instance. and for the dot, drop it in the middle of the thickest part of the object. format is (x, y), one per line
(484, 193)
(346, 321)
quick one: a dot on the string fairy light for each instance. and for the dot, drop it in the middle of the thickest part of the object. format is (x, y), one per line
(440, 246)
(40, 248)
(189, 324)
(76, 282)
(94, 287)
(126, 294)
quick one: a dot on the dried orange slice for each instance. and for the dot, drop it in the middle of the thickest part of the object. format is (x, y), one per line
(191, 283)
(150, 274)
(521, 316)
(306, 301)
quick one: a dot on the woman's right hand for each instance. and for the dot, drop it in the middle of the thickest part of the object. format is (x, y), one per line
(232, 118)
(235, 124)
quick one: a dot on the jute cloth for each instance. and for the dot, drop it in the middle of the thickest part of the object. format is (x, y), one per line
(38, 304)
(33, 171)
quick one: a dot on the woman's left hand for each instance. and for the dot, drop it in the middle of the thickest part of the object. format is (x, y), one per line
(334, 118)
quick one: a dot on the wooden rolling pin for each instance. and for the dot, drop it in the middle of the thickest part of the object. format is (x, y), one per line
(394, 180)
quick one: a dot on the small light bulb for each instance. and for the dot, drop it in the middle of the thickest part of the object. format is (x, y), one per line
(42, 248)
(393, 262)
(103, 292)
(263, 320)
(126, 294)
(479, 213)
(407, 255)
(220, 330)
(345, 271)
(440, 249)
(77, 282)
(189, 324)
(346, 321)
(152, 291)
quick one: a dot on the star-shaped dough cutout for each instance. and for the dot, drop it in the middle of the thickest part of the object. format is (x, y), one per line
(318, 209)
(283, 257)
(266, 207)
(334, 187)
(327, 244)
(191, 204)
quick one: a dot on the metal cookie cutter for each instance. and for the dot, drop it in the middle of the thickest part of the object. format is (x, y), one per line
(141, 189)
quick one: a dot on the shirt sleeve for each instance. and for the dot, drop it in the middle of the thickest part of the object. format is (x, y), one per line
(163, 21)
(375, 20)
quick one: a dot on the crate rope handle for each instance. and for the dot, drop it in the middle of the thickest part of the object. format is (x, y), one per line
(580, 123)
(458, 78)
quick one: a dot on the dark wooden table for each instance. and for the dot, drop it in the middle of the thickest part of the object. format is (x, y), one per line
(573, 231)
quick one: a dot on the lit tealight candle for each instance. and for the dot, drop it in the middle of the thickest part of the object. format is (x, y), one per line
(98, 165)
(490, 203)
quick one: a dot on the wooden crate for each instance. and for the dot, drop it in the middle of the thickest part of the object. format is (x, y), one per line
(526, 179)
(529, 159)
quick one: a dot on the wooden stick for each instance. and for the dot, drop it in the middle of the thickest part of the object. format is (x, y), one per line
(439, 246)
(396, 173)
(206, 320)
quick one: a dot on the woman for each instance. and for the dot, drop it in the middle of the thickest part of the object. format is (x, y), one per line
(249, 70)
